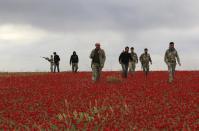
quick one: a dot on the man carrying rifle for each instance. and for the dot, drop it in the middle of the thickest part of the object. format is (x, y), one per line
(51, 62)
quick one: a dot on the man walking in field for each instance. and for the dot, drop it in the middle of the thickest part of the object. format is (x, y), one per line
(133, 62)
(170, 59)
(145, 58)
(124, 59)
(98, 58)
(74, 60)
(56, 62)
(51, 62)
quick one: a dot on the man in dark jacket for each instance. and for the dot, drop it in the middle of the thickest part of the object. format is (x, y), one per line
(74, 60)
(56, 62)
(124, 60)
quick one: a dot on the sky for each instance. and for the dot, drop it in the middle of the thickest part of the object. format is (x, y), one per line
(31, 29)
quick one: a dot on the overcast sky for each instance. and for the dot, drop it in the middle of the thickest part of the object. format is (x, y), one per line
(30, 29)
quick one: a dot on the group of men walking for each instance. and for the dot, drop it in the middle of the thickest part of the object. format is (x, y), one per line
(54, 62)
(127, 60)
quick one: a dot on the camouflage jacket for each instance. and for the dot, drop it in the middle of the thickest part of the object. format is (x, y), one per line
(102, 57)
(145, 58)
(134, 57)
(170, 56)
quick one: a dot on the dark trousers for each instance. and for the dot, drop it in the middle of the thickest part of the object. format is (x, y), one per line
(56, 66)
(125, 70)
(74, 67)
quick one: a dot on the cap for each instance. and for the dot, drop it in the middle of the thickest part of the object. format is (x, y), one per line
(97, 44)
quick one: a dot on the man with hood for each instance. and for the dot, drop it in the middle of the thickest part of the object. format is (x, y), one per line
(74, 60)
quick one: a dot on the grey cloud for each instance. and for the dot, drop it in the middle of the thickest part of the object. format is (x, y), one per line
(124, 15)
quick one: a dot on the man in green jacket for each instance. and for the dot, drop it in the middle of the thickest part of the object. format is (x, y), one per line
(98, 58)
(170, 59)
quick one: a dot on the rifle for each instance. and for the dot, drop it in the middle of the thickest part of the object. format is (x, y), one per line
(46, 58)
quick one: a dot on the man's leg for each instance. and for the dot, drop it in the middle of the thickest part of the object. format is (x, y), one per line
(58, 67)
(130, 67)
(123, 70)
(126, 70)
(73, 67)
(94, 72)
(51, 67)
(76, 67)
(133, 68)
(98, 70)
(55, 66)
(170, 73)
(147, 70)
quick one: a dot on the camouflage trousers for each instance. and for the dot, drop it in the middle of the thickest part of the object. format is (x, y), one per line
(132, 66)
(74, 67)
(145, 68)
(51, 67)
(171, 69)
(96, 71)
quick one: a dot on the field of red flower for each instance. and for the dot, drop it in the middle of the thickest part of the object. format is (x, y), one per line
(71, 101)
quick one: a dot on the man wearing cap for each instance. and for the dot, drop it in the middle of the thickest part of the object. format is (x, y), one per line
(170, 59)
(134, 61)
(145, 58)
(98, 58)
(56, 62)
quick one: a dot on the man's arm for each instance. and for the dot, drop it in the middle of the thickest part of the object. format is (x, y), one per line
(150, 59)
(77, 59)
(136, 58)
(120, 57)
(140, 58)
(92, 54)
(165, 58)
(70, 60)
(130, 57)
(178, 58)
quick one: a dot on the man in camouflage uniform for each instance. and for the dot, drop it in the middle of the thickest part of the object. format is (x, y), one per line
(134, 61)
(98, 59)
(51, 62)
(145, 59)
(170, 59)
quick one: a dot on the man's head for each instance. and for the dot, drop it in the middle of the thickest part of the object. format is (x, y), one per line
(51, 56)
(54, 53)
(97, 45)
(132, 49)
(171, 45)
(74, 53)
(126, 49)
(145, 50)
